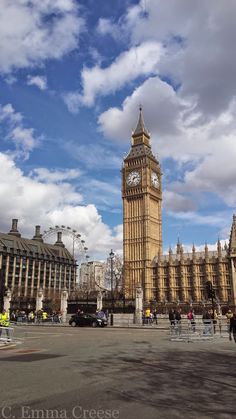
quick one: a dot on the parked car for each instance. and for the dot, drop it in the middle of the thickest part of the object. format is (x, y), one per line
(87, 320)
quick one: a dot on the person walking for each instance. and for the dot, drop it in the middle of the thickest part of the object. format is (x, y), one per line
(4, 324)
(147, 315)
(214, 319)
(191, 318)
(232, 327)
(155, 315)
(178, 321)
(207, 321)
(229, 316)
(172, 318)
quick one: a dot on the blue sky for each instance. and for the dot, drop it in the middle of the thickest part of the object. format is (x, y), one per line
(72, 76)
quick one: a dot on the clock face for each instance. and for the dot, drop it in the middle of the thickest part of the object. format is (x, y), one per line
(155, 180)
(133, 178)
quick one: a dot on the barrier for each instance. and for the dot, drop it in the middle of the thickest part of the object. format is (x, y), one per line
(187, 331)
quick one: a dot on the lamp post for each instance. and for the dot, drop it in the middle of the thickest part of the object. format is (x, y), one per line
(111, 254)
(87, 281)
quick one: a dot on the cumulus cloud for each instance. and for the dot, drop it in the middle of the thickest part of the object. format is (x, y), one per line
(161, 106)
(39, 81)
(24, 139)
(179, 134)
(138, 61)
(33, 202)
(199, 38)
(32, 32)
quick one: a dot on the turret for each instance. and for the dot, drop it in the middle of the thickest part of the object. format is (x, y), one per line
(219, 250)
(232, 240)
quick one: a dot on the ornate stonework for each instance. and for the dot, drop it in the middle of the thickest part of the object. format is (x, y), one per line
(176, 277)
(142, 195)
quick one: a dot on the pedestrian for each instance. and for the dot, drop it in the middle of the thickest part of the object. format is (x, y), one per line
(214, 319)
(4, 324)
(229, 316)
(232, 328)
(191, 318)
(172, 318)
(39, 316)
(155, 316)
(44, 316)
(147, 315)
(207, 321)
(31, 317)
(178, 320)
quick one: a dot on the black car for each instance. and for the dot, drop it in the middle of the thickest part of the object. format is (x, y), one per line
(87, 320)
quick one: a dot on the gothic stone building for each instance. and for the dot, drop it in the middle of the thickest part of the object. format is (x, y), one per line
(178, 277)
(27, 265)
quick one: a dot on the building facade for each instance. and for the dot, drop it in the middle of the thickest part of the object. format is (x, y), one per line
(91, 275)
(177, 277)
(28, 265)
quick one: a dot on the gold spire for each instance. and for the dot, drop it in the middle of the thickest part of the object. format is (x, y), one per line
(141, 134)
(140, 128)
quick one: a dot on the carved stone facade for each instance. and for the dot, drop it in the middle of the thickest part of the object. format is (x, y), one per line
(181, 277)
(28, 265)
(142, 196)
(176, 277)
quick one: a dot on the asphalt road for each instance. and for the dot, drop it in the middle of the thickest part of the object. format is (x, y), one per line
(59, 372)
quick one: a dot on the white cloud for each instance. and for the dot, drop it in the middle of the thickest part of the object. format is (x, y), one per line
(42, 174)
(32, 32)
(24, 139)
(35, 202)
(200, 40)
(178, 133)
(106, 27)
(39, 81)
(161, 106)
(138, 61)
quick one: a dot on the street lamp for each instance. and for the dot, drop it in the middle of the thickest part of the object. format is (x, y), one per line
(111, 254)
(87, 281)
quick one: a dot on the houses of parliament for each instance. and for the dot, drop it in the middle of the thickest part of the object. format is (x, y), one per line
(177, 276)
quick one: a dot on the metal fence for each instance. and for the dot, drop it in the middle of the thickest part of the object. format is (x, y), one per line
(186, 330)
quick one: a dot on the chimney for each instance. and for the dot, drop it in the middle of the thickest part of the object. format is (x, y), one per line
(37, 235)
(14, 231)
(59, 240)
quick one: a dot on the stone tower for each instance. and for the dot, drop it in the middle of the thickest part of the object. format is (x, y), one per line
(232, 256)
(142, 224)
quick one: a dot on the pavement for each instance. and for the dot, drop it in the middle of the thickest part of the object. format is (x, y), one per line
(115, 373)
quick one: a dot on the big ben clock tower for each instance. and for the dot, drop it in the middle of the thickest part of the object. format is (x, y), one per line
(142, 196)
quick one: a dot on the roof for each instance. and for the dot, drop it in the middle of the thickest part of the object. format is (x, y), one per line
(140, 150)
(29, 245)
(140, 128)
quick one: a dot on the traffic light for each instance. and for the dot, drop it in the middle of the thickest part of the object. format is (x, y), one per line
(209, 290)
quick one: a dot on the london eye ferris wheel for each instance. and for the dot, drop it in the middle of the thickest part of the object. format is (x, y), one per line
(72, 240)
